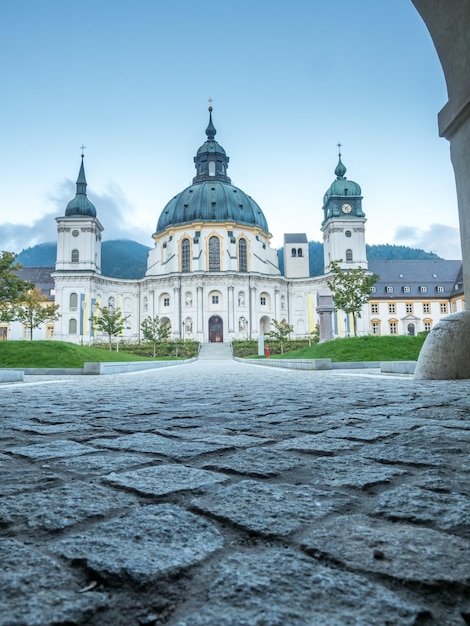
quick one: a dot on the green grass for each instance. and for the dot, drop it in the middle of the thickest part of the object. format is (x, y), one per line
(56, 354)
(368, 348)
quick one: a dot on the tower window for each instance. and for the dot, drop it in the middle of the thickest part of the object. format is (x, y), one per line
(73, 326)
(293, 252)
(214, 254)
(242, 256)
(299, 252)
(348, 233)
(211, 168)
(349, 255)
(73, 302)
(75, 256)
(185, 255)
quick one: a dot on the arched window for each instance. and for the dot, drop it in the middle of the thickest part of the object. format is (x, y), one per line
(211, 168)
(73, 326)
(73, 302)
(299, 252)
(293, 252)
(214, 254)
(349, 255)
(75, 256)
(185, 255)
(242, 258)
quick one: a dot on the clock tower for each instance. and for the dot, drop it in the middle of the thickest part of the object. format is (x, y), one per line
(343, 223)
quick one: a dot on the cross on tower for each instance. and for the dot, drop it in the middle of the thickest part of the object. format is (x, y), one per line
(82, 148)
(339, 149)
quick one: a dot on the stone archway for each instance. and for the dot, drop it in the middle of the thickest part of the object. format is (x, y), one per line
(445, 352)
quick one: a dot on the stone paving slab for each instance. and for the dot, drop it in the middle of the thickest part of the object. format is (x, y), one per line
(316, 444)
(256, 461)
(62, 447)
(147, 543)
(35, 590)
(163, 479)
(352, 471)
(148, 442)
(100, 463)
(270, 509)
(403, 552)
(59, 507)
(277, 587)
(449, 511)
(391, 452)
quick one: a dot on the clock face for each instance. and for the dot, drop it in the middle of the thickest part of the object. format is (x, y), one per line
(346, 208)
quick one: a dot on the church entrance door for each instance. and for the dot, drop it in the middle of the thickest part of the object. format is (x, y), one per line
(216, 329)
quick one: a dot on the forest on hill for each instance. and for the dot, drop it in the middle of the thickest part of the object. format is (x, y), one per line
(124, 258)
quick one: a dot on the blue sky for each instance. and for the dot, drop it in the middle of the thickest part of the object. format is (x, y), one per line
(130, 79)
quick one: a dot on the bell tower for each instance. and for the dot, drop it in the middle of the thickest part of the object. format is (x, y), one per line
(343, 223)
(79, 232)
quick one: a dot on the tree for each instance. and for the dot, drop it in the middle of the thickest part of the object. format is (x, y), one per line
(281, 332)
(109, 321)
(12, 287)
(351, 289)
(33, 310)
(155, 330)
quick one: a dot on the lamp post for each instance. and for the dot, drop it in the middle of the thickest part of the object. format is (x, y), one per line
(183, 329)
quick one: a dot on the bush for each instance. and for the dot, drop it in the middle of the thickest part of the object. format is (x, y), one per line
(176, 349)
(249, 347)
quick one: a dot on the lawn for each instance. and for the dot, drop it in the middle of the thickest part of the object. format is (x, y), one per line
(368, 348)
(56, 354)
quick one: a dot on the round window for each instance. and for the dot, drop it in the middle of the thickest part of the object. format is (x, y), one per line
(348, 233)
(75, 233)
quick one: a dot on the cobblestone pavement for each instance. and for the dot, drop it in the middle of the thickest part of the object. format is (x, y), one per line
(227, 494)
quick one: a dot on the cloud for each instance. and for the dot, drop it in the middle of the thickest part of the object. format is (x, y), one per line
(112, 208)
(442, 239)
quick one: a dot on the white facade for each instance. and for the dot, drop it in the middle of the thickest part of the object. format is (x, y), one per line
(212, 274)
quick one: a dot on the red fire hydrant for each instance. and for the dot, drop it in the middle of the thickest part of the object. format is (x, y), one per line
(267, 352)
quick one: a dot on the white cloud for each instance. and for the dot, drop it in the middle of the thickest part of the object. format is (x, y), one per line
(112, 208)
(442, 239)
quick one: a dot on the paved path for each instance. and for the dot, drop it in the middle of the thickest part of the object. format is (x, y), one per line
(228, 494)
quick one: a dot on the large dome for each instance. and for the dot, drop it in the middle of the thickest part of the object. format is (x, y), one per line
(212, 202)
(212, 197)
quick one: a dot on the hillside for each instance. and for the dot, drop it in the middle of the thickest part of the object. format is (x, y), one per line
(120, 258)
(124, 258)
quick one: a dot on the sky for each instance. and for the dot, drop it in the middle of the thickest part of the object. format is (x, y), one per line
(131, 80)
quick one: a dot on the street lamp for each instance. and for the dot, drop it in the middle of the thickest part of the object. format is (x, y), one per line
(183, 330)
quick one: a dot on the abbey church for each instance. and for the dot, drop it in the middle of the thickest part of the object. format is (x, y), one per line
(212, 275)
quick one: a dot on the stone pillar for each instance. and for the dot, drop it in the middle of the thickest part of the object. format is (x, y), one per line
(231, 309)
(200, 311)
(277, 304)
(325, 308)
(177, 311)
(253, 312)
